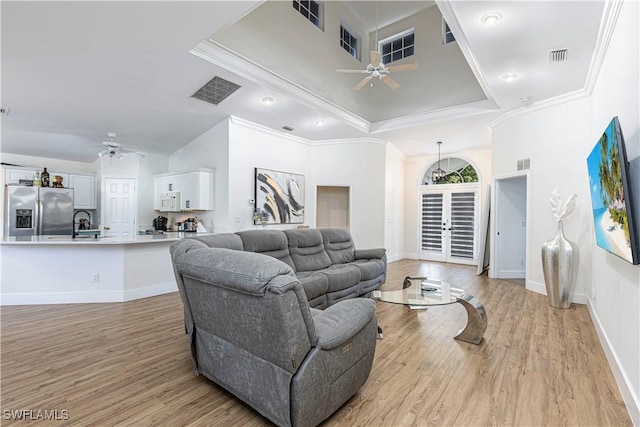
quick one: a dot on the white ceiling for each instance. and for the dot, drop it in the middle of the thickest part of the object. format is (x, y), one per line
(73, 71)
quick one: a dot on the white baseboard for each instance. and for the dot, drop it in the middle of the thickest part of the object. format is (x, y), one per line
(150, 291)
(32, 298)
(540, 288)
(631, 400)
(398, 257)
(512, 274)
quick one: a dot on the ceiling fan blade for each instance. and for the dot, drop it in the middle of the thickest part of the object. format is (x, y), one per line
(403, 67)
(375, 58)
(362, 83)
(390, 82)
(342, 70)
(133, 153)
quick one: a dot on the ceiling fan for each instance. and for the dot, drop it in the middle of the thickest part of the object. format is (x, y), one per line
(113, 149)
(378, 69)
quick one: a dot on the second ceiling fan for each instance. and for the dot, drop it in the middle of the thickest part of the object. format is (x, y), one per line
(378, 69)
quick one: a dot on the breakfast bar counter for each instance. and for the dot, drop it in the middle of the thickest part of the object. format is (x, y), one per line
(100, 240)
(60, 270)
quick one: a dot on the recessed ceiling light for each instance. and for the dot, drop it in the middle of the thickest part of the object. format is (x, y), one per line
(510, 77)
(267, 100)
(320, 122)
(491, 18)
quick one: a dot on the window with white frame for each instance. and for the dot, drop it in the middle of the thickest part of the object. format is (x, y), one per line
(311, 10)
(349, 41)
(447, 35)
(398, 46)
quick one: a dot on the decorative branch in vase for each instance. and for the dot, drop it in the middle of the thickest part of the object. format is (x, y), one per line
(560, 256)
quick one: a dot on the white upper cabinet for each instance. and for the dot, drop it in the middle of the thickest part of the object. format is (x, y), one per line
(84, 191)
(195, 188)
(13, 176)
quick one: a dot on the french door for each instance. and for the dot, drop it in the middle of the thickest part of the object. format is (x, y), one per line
(449, 224)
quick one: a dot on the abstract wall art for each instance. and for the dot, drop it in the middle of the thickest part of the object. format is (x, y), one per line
(280, 195)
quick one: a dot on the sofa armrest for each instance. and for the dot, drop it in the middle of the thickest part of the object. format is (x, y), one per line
(339, 323)
(377, 253)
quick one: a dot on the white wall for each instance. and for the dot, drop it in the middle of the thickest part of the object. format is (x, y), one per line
(251, 146)
(209, 150)
(415, 170)
(359, 165)
(394, 190)
(558, 139)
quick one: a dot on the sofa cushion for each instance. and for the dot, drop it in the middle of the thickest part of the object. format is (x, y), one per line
(313, 283)
(307, 250)
(338, 244)
(267, 242)
(369, 268)
(222, 240)
(341, 276)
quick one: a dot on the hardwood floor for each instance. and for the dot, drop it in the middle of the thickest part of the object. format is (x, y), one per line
(128, 364)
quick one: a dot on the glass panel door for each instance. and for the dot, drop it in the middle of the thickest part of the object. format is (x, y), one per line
(449, 225)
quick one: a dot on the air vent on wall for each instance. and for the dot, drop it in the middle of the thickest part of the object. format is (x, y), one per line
(523, 164)
(558, 55)
(216, 90)
(287, 128)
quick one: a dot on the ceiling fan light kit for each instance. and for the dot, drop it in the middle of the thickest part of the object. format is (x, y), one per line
(113, 149)
(380, 71)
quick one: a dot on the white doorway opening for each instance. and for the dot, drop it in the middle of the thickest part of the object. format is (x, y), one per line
(332, 206)
(510, 228)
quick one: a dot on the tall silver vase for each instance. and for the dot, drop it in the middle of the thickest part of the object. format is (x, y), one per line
(559, 264)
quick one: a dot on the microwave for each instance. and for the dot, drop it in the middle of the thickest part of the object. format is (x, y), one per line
(169, 202)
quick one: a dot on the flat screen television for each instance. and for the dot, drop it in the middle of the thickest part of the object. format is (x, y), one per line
(611, 196)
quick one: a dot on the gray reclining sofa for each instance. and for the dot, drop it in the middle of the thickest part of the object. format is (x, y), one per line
(324, 260)
(252, 331)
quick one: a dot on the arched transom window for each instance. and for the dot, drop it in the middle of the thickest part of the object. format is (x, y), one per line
(458, 171)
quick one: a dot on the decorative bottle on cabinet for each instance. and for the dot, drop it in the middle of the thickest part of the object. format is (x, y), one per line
(45, 178)
(36, 180)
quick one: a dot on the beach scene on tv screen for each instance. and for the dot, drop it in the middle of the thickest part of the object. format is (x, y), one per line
(607, 195)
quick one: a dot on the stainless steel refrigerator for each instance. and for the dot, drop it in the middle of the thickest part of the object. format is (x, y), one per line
(33, 211)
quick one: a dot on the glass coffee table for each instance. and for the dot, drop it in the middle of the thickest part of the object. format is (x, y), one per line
(418, 293)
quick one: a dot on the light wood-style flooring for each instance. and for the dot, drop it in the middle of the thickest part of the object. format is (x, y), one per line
(128, 364)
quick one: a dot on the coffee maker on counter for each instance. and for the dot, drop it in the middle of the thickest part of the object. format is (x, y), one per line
(160, 223)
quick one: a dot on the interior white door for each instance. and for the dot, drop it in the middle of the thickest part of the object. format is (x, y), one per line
(119, 203)
(449, 225)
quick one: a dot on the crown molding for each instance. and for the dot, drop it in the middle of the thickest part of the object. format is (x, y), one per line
(397, 151)
(222, 56)
(350, 141)
(237, 121)
(607, 27)
(610, 16)
(452, 20)
(449, 113)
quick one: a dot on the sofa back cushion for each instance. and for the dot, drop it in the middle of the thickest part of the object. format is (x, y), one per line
(267, 242)
(222, 241)
(338, 244)
(307, 250)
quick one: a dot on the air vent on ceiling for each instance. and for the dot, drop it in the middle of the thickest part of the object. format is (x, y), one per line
(287, 128)
(216, 90)
(558, 55)
(523, 164)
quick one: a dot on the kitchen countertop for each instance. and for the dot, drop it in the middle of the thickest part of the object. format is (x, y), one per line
(101, 240)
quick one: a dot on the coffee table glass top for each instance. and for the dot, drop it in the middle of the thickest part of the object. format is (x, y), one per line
(420, 291)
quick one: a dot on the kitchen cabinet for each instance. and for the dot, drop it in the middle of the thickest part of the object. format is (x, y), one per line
(84, 191)
(195, 188)
(13, 176)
